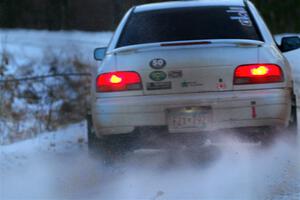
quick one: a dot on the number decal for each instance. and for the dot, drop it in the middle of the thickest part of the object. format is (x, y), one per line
(158, 63)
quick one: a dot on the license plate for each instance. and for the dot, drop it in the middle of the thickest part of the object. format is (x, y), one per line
(189, 118)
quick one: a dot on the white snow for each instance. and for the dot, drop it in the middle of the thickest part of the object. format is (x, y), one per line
(35, 53)
(28, 45)
(56, 165)
(50, 141)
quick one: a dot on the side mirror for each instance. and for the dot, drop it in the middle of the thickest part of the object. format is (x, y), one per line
(100, 53)
(290, 43)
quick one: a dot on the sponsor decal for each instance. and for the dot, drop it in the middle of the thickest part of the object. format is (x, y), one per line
(158, 63)
(159, 86)
(158, 76)
(240, 14)
(190, 84)
(221, 85)
(175, 74)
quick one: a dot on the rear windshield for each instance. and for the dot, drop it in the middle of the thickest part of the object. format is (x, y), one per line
(196, 23)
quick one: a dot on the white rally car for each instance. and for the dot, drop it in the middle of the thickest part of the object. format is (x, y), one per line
(189, 67)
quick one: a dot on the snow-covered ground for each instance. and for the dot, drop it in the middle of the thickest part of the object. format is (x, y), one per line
(56, 165)
(34, 43)
(29, 53)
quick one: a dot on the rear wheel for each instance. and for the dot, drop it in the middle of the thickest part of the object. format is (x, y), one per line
(270, 135)
(293, 126)
(110, 148)
(266, 135)
(93, 141)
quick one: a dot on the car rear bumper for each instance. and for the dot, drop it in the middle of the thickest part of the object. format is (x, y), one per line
(234, 109)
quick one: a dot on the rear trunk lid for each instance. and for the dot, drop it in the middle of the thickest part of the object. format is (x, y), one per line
(170, 69)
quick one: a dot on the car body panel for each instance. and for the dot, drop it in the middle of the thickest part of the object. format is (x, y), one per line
(199, 69)
(231, 109)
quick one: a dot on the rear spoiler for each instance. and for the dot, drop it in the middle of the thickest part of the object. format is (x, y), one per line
(238, 42)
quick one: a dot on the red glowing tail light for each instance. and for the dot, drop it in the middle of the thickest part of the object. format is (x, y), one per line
(118, 81)
(258, 74)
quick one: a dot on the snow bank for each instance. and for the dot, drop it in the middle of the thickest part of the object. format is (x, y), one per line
(30, 107)
(33, 44)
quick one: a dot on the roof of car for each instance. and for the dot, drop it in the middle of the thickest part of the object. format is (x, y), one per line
(183, 4)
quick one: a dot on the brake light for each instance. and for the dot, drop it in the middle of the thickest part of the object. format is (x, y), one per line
(115, 79)
(118, 81)
(260, 71)
(258, 74)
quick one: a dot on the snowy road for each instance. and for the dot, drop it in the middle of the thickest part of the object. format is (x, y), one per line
(57, 166)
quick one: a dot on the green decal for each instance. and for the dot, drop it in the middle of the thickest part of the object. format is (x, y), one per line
(158, 76)
(184, 84)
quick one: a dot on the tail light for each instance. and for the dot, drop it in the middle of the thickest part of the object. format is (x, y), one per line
(118, 81)
(258, 74)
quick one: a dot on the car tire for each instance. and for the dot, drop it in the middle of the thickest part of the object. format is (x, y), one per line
(110, 148)
(93, 141)
(270, 134)
(292, 129)
(259, 135)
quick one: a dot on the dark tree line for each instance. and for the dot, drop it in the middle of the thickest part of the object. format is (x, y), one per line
(280, 15)
(97, 15)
